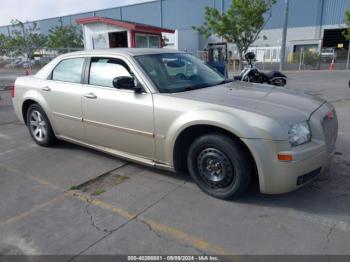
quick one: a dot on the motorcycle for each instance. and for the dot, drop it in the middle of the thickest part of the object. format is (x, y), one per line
(251, 74)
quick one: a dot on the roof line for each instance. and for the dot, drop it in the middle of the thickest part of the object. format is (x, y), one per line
(122, 23)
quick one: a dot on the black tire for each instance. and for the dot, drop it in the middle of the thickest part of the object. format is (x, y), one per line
(41, 131)
(217, 157)
(279, 82)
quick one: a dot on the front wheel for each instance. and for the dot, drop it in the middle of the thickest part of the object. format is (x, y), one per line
(219, 165)
(39, 126)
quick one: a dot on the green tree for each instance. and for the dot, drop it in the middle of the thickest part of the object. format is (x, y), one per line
(25, 39)
(65, 37)
(240, 24)
(347, 20)
(3, 45)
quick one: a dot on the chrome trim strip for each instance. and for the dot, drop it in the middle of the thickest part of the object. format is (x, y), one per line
(68, 116)
(125, 129)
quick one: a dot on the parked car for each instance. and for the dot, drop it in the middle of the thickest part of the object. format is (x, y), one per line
(14, 63)
(328, 54)
(132, 103)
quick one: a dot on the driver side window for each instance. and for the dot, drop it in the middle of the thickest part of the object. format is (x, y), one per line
(104, 70)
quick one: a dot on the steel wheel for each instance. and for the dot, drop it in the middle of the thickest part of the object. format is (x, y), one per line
(219, 165)
(215, 168)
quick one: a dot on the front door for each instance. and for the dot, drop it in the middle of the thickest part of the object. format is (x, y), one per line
(116, 118)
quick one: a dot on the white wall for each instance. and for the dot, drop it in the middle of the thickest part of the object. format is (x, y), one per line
(295, 36)
(100, 30)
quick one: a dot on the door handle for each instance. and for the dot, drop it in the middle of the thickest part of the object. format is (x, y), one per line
(46, 88)
(90, 95)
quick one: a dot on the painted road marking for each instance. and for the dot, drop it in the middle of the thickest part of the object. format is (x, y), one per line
(178, 235)
(5, 136)
(45, 183)
(16, 149)
(183, 237)
(101, 204)
(172, 232)
(33, 178)
(344, 133)
(168, 231)
(31, 211)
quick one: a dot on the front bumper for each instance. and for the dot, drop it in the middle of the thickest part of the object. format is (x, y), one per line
(276, 177)
(309, 160)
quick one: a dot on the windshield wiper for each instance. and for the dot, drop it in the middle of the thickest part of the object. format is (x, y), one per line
(189, 88)
(225, 81)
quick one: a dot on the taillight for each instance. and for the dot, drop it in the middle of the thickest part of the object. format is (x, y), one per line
(13, 89)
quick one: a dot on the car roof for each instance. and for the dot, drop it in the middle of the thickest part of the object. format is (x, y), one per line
(123, 51)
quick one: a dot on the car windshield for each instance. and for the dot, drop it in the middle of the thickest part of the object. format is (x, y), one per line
(178, 72)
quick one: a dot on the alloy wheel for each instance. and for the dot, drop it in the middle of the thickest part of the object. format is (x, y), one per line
(38, 125)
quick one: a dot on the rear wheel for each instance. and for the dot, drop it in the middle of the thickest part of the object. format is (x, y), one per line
(219, 165)
(279, 82)
(39, 126)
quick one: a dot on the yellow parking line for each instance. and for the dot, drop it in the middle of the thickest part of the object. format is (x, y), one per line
(25, 214)
(171, 232)
(101, 204)
(45, 183)
(183, 237)
(34, 178)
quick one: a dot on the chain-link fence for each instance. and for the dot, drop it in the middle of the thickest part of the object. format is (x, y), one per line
(5, 84)
(37, 61)
(267, 58)
(14, 66)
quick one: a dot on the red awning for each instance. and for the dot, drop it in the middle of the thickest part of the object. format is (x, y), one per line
(124, 24)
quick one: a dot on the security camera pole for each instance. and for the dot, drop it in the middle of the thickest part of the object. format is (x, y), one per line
(284, 35)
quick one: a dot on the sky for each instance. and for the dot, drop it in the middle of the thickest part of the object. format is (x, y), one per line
(28, 10)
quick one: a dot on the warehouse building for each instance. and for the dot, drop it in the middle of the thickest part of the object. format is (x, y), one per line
(312, 24)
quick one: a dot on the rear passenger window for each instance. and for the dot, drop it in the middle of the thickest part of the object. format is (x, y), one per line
(69, 70)
(104, 70)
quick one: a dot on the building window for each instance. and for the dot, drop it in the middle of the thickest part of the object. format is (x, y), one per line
(147, 41)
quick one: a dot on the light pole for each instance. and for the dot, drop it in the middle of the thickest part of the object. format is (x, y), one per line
(284, 35)
(347, 63)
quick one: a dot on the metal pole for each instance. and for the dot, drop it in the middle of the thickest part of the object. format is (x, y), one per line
(347, 63)
(284, 35)
(301, 57)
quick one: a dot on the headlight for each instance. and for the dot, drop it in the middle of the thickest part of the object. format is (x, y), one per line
(299, 134)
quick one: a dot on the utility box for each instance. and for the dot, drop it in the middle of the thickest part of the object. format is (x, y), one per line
(101, 32)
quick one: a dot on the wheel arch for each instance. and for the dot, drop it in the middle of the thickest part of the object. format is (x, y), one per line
(186, 136)
(27, 103)
(25, 106)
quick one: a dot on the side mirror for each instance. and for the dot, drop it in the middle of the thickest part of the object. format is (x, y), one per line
(126, 82)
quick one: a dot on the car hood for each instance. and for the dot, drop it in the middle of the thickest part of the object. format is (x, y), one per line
(284, 105)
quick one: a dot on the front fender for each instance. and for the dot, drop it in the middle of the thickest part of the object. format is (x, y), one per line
(251, 126)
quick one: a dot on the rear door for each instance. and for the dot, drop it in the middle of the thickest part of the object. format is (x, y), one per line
(119, 119)
(63, 95)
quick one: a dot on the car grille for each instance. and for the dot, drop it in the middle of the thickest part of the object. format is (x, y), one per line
(330, 130)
